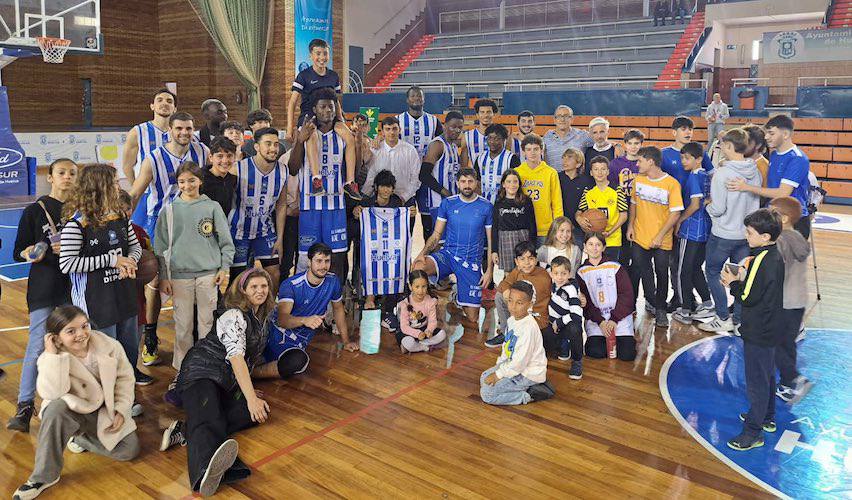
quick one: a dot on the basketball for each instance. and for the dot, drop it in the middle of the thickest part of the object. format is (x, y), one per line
(147, 268)
(596, 218)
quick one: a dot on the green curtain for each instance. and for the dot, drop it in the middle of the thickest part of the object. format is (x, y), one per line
(240, 29)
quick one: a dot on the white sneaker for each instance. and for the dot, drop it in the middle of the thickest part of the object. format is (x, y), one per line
(717, 325)
(136, 410)
(704, 312)
(73, 447)
(801, 335)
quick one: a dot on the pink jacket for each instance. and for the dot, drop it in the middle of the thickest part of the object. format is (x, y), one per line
(424, 316)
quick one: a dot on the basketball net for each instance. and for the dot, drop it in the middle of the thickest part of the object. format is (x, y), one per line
(53, 49)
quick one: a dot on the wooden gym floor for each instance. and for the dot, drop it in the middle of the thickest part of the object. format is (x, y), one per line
(407, 426)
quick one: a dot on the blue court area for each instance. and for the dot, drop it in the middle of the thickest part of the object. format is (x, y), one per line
(809, 456)
(9, 269)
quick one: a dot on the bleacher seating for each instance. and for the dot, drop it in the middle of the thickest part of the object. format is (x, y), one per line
(610, 52)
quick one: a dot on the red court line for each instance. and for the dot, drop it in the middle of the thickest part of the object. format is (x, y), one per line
(358, 415)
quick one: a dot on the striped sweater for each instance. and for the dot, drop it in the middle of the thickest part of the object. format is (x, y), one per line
(564, 308)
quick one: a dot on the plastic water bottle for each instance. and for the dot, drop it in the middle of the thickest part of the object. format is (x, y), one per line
(38, 251)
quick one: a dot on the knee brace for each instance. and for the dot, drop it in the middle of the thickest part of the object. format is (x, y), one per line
(292, 362)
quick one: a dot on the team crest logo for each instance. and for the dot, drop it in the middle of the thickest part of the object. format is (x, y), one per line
(788, 42)
(205, 227)
(113, 237)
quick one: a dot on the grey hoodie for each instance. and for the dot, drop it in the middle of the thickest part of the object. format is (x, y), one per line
(201, 238)
(794, 249)
(727, 209)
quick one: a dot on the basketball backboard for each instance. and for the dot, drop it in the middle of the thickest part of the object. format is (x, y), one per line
(79, 21)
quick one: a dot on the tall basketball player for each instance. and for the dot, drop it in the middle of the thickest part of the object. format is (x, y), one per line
(440, 166)
(157, 176)
(322, 218)
(418, 128)
(474, 139)
(144, 138)
(259, 214)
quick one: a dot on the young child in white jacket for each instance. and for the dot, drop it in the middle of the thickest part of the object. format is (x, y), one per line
(520, 375)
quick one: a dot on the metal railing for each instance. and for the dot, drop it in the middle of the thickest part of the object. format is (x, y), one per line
(374, 65)
(738, 82)
(641, 83)
(824, 79)
(689, 64)
(538, 14)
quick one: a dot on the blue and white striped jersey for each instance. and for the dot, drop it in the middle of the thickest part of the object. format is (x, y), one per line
(385, 250)
(476, 143)
(491, 170)
(333, 172)
(446, 170)
(150, 138)
(164, 164)
(418, 132)
(257, 194)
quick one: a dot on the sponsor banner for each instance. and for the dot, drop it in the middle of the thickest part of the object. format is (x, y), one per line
(807, 45)
(14, 178)
(313, 20)
(372, 114)
(81, 147)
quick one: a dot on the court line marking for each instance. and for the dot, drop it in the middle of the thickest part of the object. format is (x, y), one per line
(358, 415)
(13, 362)
(26, 327)
(664, 392)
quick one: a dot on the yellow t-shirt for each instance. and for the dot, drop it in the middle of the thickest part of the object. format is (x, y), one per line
(655, 200)
(610, 201)
(541, 184)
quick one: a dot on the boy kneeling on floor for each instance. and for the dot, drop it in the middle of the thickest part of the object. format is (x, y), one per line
(520, 375)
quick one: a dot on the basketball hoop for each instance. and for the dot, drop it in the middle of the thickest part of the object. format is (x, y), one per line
(53, 49)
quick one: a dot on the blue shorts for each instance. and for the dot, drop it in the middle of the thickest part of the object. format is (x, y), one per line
(261, 248)
(149, 225)
(140, 215)
(467, 276)
(326, 226)
(281, 339)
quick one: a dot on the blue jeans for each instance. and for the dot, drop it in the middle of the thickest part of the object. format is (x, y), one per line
(35, 346)
(127, 334)
(507, 391)
(719, 250)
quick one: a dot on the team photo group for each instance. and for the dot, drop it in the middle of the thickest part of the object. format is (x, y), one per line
(263, 238)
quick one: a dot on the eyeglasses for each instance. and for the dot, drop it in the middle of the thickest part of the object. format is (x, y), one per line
(562, 117)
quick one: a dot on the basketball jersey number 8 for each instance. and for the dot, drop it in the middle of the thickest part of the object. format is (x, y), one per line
(325, 159)
(601, 297)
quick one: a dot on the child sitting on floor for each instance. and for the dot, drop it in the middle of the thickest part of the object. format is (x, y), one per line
(418, 317)
(520, 375)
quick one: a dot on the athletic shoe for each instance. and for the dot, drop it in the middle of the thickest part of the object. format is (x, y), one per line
(793, 395)
(745, 443)
(316, 186)
(736, 330)
(801, 336)
(31, 490)
(682, 316)
(173, 435)
(495, 341)
(351, 189)
(136, 410)
(576, 371)
(222, 460)
(704, 311)
(649, 308)
(74, 447)
(150, 356)
(390, 323)
(21, 421)
(542, 391)
(564, 351)
(143, 379)
(661, 320)
(768, 426)
(672, 306)
(717, 325)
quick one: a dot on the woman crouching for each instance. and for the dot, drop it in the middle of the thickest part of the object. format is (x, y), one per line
(215, 384)
(86, 384)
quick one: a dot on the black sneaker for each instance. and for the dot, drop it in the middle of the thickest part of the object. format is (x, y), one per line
(495, 341)
(661, 320)
(672, 306)
(351, 189)
(576, 371)
(564, 350)
(142, 379)
(390, 323)
(745, 443)
(173, 435)
(541, 392)
(31, 490)
(768, 426)
(237, 472)
(21, 420)
(222, 460)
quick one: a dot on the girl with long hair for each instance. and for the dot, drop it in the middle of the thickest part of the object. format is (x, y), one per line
(514, 220)
(560, 241)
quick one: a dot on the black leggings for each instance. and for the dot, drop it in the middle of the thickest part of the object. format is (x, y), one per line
(625, 347)
(212, 414)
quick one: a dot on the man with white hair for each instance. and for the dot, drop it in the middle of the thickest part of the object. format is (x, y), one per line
(599, 130)
(564, 136)
(717, 113)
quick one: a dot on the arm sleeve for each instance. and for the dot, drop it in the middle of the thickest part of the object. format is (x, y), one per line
(231, 329)
(489, 219)
(404, 320)
(515, 162)
(299, 83)
(337, 291)
(624, 296)
(286, 293)
(520, 358)
(758, 279)
(718, 195)
(442, 210)
(54, 380)
(621, 200)
(134, 248)
(223, 234)
(407, 189)
(726, 112)
(28, 232)
(565, 310)
(427, 179)
(591, 311)
(432, 319)
(675, 198)
(70, 260)
(556, 196)
(796, 173)
(508, 281)
(495, 229)
(584, 202)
